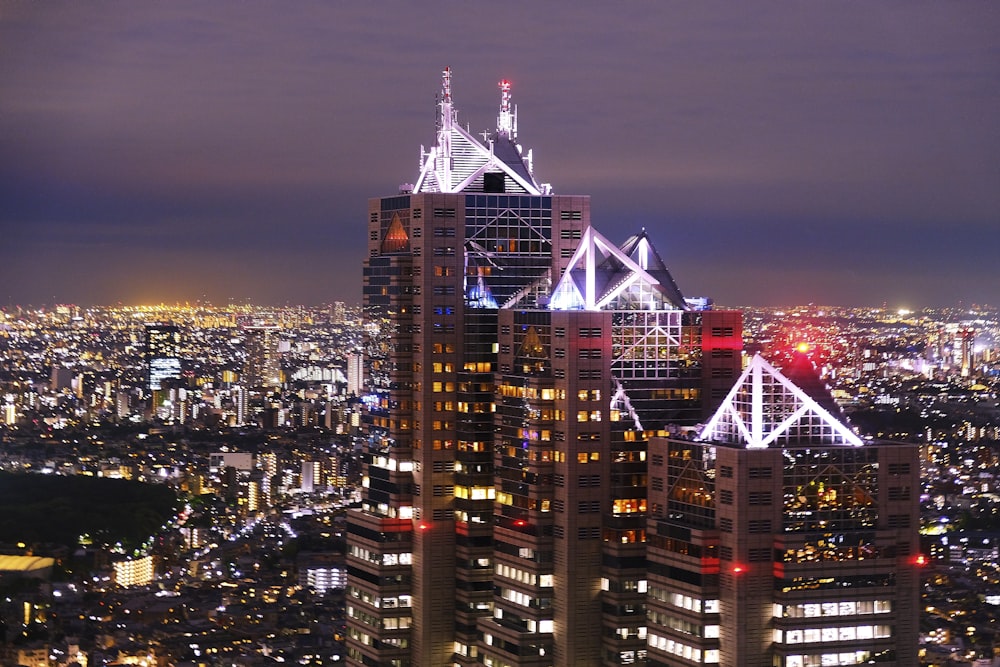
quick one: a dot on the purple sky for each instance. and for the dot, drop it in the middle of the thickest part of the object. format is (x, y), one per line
(779, 152)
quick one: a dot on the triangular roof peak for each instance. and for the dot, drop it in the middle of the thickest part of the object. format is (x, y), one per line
(766, 409)
(640, 248)
(460, 162)
(600, 276)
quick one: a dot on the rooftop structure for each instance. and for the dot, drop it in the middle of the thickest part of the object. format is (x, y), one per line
(460, 162)
(781, 538)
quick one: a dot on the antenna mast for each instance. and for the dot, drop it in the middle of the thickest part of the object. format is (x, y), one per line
(506, 122)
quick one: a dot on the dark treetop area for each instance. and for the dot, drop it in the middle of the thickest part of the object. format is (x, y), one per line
(59, 509)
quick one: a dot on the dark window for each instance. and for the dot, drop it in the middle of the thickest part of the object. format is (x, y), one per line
(899, 493)
(899, 468)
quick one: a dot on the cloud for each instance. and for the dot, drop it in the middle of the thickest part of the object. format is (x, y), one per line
(125, 127)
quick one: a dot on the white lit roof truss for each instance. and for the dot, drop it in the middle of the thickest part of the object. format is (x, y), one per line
(765, 409)
(459, 160)
(628, 287)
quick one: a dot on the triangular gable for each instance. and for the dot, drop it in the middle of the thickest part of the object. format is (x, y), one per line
(395, 239)
(640, 249)
(602, 277)
(765, 409)
(459, 161)
(531, 346)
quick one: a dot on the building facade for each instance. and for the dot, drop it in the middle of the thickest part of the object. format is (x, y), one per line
(778, 538)
(473, 233)
(536, 488)
(163, 355)
(262, 369)
(587, 374)
(525, 361)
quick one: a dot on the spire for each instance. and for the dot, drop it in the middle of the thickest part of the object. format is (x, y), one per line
(446, 86)
(506, 121)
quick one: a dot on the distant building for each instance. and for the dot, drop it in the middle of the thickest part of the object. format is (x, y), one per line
(34, 567)
(163, 355)
(263, 362)
(312, 476)
(964, 347)
(355, 374)
(134, 572)
(240, 460)
(321, 571)
(239, 396)
(338, 312)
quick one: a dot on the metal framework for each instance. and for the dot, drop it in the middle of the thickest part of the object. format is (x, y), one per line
(765, 408)
(459, 162)
(601, 276)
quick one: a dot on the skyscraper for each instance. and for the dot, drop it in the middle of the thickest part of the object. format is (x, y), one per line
(777, 537)
(587, 374)
(476, 272)
(163, 353)
(355, 373)
(536, 489)
(263, 363)
(473, 232)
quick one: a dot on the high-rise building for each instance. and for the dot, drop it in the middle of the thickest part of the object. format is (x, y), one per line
(163, 355)
(338, 312)
(312, 476)
(476, 271)
(473, 232)
(586, 376)
(355, 373)
(239, 396)
(778, 537)
(529, 376)
(963, 346)
(263, 362)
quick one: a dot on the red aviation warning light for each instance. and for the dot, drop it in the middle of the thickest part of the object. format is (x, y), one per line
(424, 526)
(738, 569)
(920, 560)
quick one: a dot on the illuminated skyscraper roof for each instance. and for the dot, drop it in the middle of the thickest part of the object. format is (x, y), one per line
(460, 162)
(601, 276)
(765, 409)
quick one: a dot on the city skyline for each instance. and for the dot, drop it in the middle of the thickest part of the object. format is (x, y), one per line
(791, 153)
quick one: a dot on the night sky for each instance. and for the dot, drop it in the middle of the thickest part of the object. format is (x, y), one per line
(779, 153)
